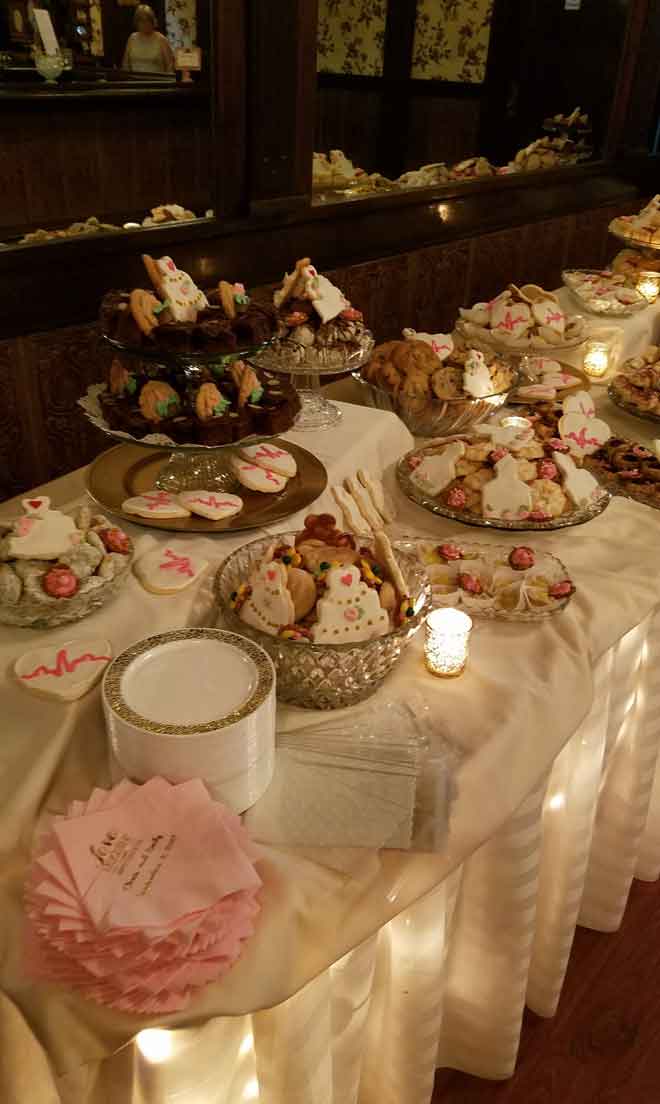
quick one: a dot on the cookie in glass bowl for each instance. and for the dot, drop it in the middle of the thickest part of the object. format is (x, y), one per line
(56, 568)
(526, 318)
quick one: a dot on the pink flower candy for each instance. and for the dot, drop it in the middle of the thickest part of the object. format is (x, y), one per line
(471, 583)
(538, 515)
(558, 445)
(521, 558)
(450, 551)
(457, 498)
(547, 469)
(497, 454)
(561, 590)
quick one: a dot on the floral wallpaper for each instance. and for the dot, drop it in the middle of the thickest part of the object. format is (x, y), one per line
(451, 40)
(351, 36)
(181, 22)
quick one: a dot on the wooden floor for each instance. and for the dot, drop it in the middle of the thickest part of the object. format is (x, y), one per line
(603, 1046)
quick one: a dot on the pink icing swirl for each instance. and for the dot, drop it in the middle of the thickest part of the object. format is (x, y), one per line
(521, 558)
(457, 498)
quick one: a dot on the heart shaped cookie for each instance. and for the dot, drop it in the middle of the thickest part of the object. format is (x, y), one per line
(549, 314)
(583, 435)
(214, 505)
(510, 319)
(167, 571)
(156, 504)
(63, 672)
(579, 403)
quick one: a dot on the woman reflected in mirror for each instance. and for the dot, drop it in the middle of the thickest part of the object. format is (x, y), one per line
(147, 50)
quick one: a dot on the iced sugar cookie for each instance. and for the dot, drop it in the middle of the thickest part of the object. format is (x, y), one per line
(167, 571)
(256, 478)
(506, 495)
(579, 484)
(272, 458)
(155, 504)
(42, 533)
(269, 606)
(583, 435)
(349, 611)
(214, 505)
(63, 671)
(436, 472)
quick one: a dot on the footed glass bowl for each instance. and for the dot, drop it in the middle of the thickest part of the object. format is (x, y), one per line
(435, 417)
(325, 676)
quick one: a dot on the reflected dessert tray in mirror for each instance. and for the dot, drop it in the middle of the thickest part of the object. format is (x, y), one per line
(261, 483)
(641, 230)
(603, 292)
(505, 476)
(495, 581)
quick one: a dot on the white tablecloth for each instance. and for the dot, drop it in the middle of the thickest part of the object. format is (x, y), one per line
(366, 988)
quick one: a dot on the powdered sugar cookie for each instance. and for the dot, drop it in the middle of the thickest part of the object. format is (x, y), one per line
(63, 671)
(271, 457)
(166, 570)
(214, 505)
(256, 478)
(155, 504)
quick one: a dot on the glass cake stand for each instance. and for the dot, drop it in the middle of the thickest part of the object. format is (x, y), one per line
(188, 466)
(305, 368)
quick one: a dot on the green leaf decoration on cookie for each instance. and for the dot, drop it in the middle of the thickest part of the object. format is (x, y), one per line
(131, 385)
(163, 407)
(161, 307)
(257, 394)
(221, 406)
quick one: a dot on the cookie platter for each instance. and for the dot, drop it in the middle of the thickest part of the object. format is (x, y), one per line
(627, 469)
(603, 292)
(526, 319)
(129, 471)
(496, 581)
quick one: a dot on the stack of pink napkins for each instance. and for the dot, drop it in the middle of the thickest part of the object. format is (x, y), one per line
(141, 895)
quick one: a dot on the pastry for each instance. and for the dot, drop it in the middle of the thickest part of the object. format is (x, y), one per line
(638, 382)
(155, 504)
(256, 478)
(472, 168)
(627, 468)
(47, 558)
(522, 318)
(316, 321)
(214, 505)
(352, 515)
(63, 672)
(374, 488)
(168, 571)
(271, 456)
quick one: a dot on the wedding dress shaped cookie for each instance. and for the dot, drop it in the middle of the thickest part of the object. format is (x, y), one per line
(350, 611)
(42, 533)
(506, 496)
(270, 606)
(476, 377)
(436, 472)
(579, 484)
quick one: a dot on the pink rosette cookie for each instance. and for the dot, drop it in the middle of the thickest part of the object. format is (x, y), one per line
(470, 583)
(564, 589)
(521, 558)
(115, 540)
(60, 582)
(457, 498)
(547, 469)
(450, 552)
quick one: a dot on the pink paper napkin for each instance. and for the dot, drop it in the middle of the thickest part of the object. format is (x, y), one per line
(141, 895)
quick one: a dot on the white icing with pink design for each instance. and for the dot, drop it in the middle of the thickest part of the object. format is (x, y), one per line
(349, 610)
(42, 533)
(328, 301)
(548, 313)
(270, 606)
(583, 434)
(63, 671)
(579, 484)
(437, 471)
(271, 457)
(579, 403)
(156, 504)
(256, 478)
(167, 570)
(184, 298)
(511, 319)
(442, 344)
(214, 505)
(506, 496)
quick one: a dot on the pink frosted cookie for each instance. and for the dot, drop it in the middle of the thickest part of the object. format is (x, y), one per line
(271, 457)
(63, 671)
(155, 504)
(167, 571)
(214, 505)
(257, 479)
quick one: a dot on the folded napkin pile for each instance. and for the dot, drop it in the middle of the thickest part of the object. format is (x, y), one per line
(141, 895)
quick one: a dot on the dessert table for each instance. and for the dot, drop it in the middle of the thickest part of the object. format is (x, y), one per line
(371, 966)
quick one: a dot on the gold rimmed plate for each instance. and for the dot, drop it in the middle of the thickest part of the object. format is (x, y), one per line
(126, 471)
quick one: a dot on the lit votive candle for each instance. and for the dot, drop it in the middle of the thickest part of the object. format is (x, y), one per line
(596, 359)
(446, 645)
(649, 285)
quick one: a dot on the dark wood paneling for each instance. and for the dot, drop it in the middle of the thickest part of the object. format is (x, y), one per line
(110, 159)
(17, 468)
(440, 287)
(545, 248)
(497, 260)
(348, 119)
(441, 129)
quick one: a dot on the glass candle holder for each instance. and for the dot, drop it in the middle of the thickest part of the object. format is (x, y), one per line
(596, 361)
(447, 640)
(514, 421)
(648, 284)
